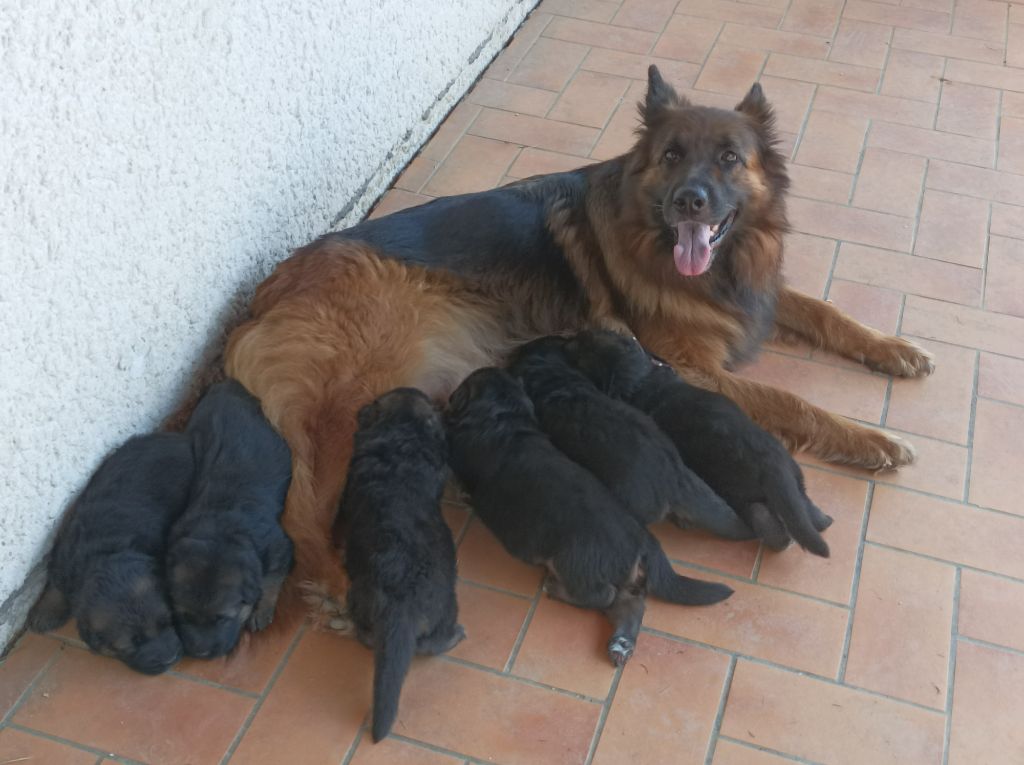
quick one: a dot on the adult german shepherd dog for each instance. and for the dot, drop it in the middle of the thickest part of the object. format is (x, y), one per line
(678, 241)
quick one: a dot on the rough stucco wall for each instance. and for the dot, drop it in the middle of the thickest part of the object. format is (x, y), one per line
(157, 159)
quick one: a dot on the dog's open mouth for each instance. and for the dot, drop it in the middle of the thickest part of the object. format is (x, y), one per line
(694, 243)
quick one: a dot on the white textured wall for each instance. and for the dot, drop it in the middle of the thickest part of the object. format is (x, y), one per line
(157, 159)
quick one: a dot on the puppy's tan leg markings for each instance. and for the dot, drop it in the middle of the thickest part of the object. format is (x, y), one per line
(824, 326)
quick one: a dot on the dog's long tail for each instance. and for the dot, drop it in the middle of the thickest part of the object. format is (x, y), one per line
(394, 647)
(663, 581)
(789, 502)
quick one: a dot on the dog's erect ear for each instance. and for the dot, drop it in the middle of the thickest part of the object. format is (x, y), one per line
(756, 106)
(660, 96)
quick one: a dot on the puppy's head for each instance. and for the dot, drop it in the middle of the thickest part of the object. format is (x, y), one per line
(122, 611)
(488, 396)
(703, 178)
(402, 407)
(215, 581)
(616, 364)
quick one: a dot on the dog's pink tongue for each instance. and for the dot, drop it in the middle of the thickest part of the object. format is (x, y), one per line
(692, 252)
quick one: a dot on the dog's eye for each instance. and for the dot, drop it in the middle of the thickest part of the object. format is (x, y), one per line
(728, 157)
(672, 155)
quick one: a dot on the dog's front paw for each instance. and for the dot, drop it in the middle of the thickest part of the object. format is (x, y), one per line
(880, 450)
(620, 648)
(901, 358)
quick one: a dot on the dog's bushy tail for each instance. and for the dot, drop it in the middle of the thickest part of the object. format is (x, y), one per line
(663, 581)
(394, 646)
(789, 502)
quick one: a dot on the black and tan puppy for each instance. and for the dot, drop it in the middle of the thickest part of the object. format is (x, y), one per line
(399, 553)
(744, 464)
(106, 568)
(619, 444)
(547, 510)
(228, 555)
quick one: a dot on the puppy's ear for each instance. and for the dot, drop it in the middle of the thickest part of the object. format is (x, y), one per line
(660, 96)
(756, 106)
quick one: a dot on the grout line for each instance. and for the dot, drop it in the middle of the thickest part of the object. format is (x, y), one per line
(569, 82)
(720, 713)
(803, 123)
(784, 668)
(984, 257)
(768, 750)
(354, 745)
(461, 536)
(755, 570)
(920, 205)
(954, 630)
(603, 717)
(942, 92)
(244, 727)
(969, 464)
(774, 588)
(439, 749)
(519, 679)
(989, 644)
(6, 720)
(212, 684)
(961, 564)
(492, 588)
(1000, 401)
(855, 584)
(73, 744)
(828, 287)
(514, 653)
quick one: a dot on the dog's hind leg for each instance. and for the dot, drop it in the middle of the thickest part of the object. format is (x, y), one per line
(822, 325)
(626, 615)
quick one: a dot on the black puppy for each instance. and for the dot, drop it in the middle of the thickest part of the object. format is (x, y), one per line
(744, 464)
(547, 510)
(400, 554)
(619, 444)
(228, 555)
(106, 568)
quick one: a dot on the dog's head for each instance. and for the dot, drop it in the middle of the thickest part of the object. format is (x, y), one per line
(122, 611)
(215, 580)
(703, 177)
(487, 396)
(616, 364)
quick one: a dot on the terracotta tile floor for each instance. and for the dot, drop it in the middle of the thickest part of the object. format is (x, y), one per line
(906, 133)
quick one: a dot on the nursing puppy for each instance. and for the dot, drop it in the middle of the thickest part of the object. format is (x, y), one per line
(743, 463)
(228, 555)
(400, 554)
(619, 444)
(547, 510)
(106, 568)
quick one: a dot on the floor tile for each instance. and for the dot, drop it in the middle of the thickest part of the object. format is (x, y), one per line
(986, 75)
(815, 183)
(832, 141)
(968, 110)
(600, 35)
(1007, 220)
(962, 325)
(991, 609)
(808, 262)
(988, 702)
(794, 43)
(998, 456)
(475, 164)
(395, 200)
(727, 10)
(940, 468)
(100, 703)
(975, 182)
(829, 578)
(980, 19)
(314, 710)
(496, 718)
(947, 530)
(890, 182)
(619, 134)
(761, 622)
(902, 111)
(861, 43)
(999, 378)
(506, 61)
(1011, 145)
(536, 131)
(1004, 283)
(824, 722)
(450, 131)
(590, 99)
(651, 15)
(942, 44)
(391, 751)
(492, 621)
(675, 717)
(539, 161)
(549, 64)
(591, 10)
(567, 647)
(730, 70)
(913, 75)
(912, 406)
(482, 559)
(729, 753)
(251, 665)
(911, 18)
(822, 72)
(19, 747)
(889, 232)
(511, 97)
(22, 665)
(1015, 45)
(790, 99)
(877, 307)
(814, 17)
(910, 273)
(633, 66)
(928, 143)
(418, 172)
(953, 228)
(902, 626)
(706, 550)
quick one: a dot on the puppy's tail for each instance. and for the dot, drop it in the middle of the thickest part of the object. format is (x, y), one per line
(663, 581)
(393, 651)
(789, 502)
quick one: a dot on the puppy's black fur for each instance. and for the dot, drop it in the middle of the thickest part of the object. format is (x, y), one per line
(228, 555)
(545, 509)
(106, 568)
(619, 444)
(400, 554)
(744, 464)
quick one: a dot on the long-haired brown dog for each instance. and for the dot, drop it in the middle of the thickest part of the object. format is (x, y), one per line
(678, 241)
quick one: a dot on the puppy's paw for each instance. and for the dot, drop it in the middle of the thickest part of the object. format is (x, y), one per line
(620, 648)
(900, 358)
(458, 635)
(261, 617)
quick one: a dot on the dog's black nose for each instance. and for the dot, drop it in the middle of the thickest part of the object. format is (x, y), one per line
(691, 199)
